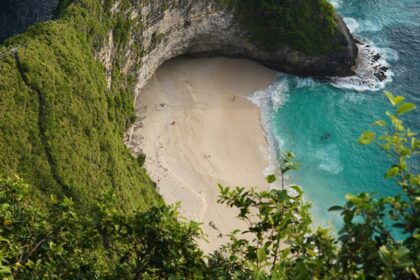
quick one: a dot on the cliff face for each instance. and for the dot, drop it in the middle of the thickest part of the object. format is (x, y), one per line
(17, 15)
(180, 27)
(205, 28)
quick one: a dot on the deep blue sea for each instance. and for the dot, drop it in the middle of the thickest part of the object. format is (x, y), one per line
(321, 121)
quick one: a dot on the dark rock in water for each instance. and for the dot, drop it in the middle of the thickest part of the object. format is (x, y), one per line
(381, 76)
(325, 137)
(17, 15)
(376, 57)
(357, 41)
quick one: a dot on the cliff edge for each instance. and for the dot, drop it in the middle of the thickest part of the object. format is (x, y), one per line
(208, 28)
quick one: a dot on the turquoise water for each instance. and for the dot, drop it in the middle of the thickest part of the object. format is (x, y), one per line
(321, 122)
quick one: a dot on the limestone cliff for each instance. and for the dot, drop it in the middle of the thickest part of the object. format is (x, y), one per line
(204, 28)
(180, 27)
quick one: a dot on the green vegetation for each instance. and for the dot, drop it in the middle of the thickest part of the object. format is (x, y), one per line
(56, 242)
(60, 243)
(89, 210)
(62, 127)
(305, 25)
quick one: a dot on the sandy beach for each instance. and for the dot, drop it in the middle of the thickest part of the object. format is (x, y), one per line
(198, 130)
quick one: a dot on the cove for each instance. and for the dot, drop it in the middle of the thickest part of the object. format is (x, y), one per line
(321, 121)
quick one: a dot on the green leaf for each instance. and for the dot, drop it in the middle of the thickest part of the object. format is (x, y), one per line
(390, 97)
(335, 208)
(405, 108)
(366, 138)
(271, 179)
(402, 255)
(261, 255)
(379, 123)
(392, 172)
(360, 276)
(350, 196)
(297, 189)
(410, 133)
(398, 99)
(5, 271)
(385, 255)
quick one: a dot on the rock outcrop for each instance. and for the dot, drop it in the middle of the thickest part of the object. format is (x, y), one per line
(185, 27)
(205, 28)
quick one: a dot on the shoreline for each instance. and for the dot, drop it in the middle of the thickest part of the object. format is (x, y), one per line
(198, 129)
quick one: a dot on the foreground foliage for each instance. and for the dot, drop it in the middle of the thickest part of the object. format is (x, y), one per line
(57, 242)
(62, 244)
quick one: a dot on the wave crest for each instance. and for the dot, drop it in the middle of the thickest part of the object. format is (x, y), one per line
(270, 100)
(372, 70)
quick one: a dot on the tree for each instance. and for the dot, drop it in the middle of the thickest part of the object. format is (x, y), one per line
(59, 242)
(368, 243)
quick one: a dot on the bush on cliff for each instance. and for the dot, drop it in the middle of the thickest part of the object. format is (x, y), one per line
(305, 25)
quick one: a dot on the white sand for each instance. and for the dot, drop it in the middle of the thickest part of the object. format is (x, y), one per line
(198, 130)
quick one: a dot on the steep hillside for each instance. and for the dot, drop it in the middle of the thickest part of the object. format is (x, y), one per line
(67, 86)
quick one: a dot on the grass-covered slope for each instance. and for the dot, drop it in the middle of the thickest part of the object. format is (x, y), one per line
(61, 127)
(304, 25)
(21, 150)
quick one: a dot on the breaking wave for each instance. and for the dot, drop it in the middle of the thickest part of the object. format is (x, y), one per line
(372, 69)
(270, 100)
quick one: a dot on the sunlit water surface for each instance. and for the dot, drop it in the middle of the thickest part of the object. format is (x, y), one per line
(321, 122)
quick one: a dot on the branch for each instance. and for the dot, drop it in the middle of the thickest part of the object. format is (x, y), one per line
(34, 249)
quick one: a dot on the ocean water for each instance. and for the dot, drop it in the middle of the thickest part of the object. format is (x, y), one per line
(321, 121)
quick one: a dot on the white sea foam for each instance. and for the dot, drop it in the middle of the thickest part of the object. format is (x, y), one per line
(306, 82)
(369, 26)
(329, 158)
(372, 69)
(270, 100)
(352, 24)
(336, 3)
(390, 54)
(352, 97)
(356, 26)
